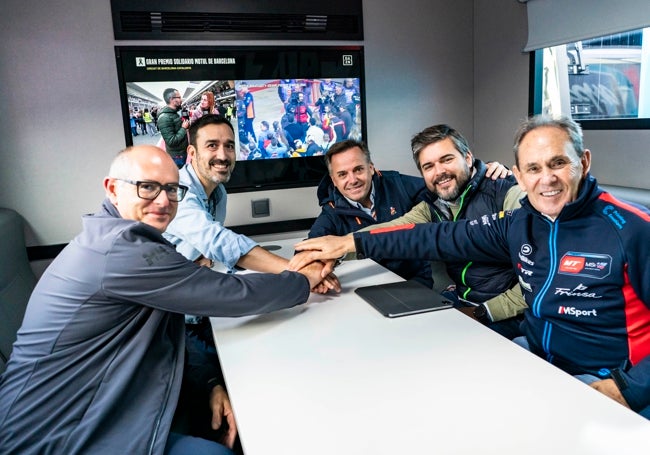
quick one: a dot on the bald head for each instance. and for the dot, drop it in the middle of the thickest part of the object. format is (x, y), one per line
(135, 158)
(143, 163)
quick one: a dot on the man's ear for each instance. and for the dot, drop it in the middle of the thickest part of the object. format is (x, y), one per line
(191, 151)
(110, 185)
(469, 159)
(586, 162)
(517, 174)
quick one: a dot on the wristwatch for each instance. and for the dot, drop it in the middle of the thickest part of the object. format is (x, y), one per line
(481, 314)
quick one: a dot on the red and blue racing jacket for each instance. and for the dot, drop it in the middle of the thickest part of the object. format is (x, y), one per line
(585, 277)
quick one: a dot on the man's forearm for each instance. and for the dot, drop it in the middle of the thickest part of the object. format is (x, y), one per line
(260, 260)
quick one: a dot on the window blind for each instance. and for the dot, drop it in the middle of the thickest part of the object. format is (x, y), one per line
(553, 22)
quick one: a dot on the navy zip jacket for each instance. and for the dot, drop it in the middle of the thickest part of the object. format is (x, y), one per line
(477, 281)
(585, 277)
(395, 194)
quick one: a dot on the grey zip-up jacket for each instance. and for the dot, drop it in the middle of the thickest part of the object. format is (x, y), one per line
(98, 362)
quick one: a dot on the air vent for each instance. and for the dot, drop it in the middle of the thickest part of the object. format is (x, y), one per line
(244, 19)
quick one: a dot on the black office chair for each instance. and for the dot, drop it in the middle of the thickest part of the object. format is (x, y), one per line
(17, 280)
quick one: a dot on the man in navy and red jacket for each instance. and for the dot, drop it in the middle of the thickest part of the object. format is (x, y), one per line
(354, 195)
(581, 257)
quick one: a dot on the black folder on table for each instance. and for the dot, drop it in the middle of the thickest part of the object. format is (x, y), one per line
(402, 298)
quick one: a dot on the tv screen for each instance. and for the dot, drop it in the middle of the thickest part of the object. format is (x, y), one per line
(287, 105)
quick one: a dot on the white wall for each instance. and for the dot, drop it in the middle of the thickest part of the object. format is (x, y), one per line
(500, 77)
(501, 100)
(427, 61)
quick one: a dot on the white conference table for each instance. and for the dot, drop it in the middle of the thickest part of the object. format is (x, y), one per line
(334, 376)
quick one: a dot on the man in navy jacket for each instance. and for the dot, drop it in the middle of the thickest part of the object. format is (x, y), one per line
(355, 195)
(580, 254)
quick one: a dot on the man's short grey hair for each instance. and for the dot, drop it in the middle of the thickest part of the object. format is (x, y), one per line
(168, 94)
(569, 126)
(437, 133)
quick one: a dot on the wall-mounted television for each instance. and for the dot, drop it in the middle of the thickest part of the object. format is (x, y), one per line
(287, 104)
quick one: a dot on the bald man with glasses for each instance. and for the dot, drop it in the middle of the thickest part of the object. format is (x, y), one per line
(98, 362)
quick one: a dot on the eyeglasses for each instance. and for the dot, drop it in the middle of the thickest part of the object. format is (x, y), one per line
(174, 97)
(150, 190)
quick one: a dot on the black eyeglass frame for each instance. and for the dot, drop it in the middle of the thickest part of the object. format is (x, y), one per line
(181, 190)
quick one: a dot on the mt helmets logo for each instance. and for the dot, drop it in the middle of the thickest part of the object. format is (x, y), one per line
(586, 264)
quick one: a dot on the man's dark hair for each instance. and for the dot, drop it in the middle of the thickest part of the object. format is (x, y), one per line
(437, 133)
(208, 119)
(168, 94)
(344, 146)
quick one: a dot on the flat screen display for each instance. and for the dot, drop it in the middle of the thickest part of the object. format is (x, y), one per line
(287, 105)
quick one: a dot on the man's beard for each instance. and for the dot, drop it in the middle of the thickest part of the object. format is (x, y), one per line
(461, 181)
(220, 177)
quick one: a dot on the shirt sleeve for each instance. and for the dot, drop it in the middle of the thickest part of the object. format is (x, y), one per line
(418, 214)
(507, 304)
(513, 198)
(195, 233)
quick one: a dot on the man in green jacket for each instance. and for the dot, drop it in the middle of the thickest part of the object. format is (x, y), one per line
(173, 128)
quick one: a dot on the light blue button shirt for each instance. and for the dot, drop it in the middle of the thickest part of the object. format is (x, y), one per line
(198, 227)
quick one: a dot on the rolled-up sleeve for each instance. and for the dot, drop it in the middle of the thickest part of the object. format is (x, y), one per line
(194, 233)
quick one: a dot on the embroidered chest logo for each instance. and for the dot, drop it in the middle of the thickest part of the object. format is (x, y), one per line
(592, 265)
(155, 255)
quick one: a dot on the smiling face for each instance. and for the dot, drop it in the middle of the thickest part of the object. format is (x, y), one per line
(549, 169)
(144, 163)
(213, 158)
(205, 102)
(444, 169)
(352, 175)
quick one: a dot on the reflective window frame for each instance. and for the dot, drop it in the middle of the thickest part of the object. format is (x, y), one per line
(606, 84)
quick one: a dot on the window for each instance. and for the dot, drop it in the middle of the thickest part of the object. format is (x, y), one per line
(604, 83)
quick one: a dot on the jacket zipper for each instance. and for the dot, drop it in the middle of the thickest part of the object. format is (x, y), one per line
(162, 411)
(548, 327)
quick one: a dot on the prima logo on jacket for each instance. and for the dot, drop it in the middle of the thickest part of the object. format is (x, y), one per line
(579, 291)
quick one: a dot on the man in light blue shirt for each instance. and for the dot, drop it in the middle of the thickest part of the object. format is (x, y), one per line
(198, 231)
(199, 234)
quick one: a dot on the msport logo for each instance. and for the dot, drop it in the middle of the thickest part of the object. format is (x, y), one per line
(573, 311)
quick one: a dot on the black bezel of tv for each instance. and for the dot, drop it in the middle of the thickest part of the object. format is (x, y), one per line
(234, 64)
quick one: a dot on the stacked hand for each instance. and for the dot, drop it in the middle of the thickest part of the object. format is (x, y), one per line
(320, 276)
(326, 249)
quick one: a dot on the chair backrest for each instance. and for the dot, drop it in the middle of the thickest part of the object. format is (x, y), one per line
(17, 280)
